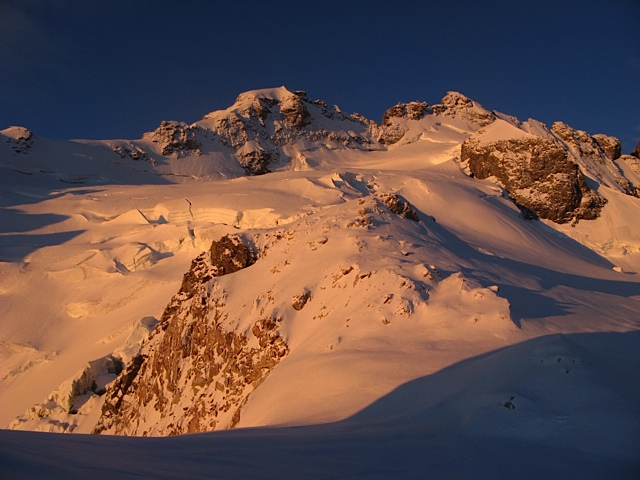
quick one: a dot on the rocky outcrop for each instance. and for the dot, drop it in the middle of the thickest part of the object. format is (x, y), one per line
(595, 155)
(538, 174)
(578, 141)
(255, 159)
(133, 152)
(399, 206)
(20, 139)
(275, 128)
(176, 138)
(391, 130)
(402, 118)
(229, 254)
(411, 111)
(611, 146)
(295, 113)
(300, 300)
(632, 163)
(262, 123)
(636, 151)
(195, 373)
(456, 105)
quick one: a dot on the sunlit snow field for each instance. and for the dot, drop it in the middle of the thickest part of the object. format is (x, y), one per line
(517, 354)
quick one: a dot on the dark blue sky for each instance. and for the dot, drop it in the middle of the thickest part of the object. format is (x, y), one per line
(115, 69)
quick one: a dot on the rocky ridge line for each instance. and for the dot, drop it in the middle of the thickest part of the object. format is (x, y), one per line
(257, 127)
(270, 129)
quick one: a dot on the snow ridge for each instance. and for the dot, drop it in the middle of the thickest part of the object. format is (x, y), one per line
(212, 349)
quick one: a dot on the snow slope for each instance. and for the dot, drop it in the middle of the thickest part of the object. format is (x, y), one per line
(470, 341)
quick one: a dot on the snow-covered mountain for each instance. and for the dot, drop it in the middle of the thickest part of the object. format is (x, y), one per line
(283, 263)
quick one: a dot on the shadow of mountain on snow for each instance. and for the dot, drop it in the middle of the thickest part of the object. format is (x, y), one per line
(560, 406)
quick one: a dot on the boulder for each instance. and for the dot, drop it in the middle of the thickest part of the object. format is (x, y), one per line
(538, 174)
(229, 254)
(611, 146)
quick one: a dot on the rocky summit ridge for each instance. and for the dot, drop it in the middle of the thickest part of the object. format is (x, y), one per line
(552, 174)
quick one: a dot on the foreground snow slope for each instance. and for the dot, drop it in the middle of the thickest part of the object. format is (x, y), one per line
(513, 412)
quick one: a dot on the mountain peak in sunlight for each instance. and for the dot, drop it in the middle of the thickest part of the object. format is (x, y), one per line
(449, 276)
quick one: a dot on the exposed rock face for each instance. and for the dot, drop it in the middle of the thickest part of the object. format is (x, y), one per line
(175, 138)
(611, 146)
(636, 151)
(399, 206)
(296, 115)
(261, 123)
(229, 254)
(132, 151)
(402, 118)
(20, 139)
(194, 375)
(456, 105)
(578, 141)
(411, 110)
(392, 131)
(633, 162)
(300, 300)
(540, 177)
(275, 128)
(255, 159)
(595, 154)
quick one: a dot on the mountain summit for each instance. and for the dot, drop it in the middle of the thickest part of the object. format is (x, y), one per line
(450, 272)
(276, 129)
